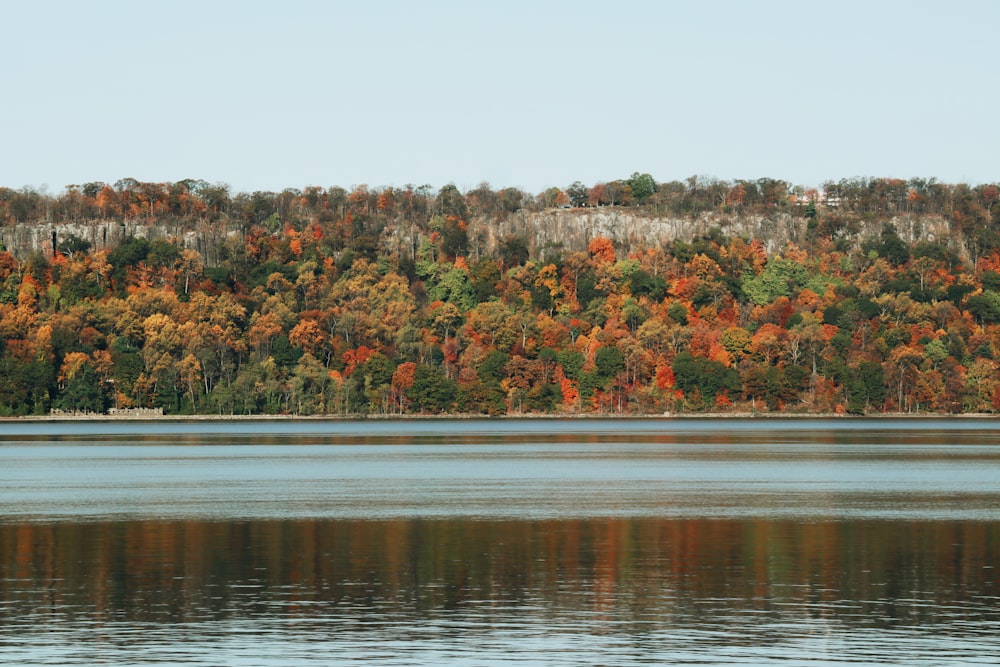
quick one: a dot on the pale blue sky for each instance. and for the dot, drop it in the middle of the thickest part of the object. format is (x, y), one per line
(268, 95)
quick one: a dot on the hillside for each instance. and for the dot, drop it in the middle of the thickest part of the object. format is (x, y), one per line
(629, 297)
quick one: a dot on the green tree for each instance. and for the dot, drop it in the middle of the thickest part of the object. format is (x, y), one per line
(889, 246)
(609, 361)
(866, 388)
(781, 277)
(490, 369)
(454, 238)
(643, 186)
(641, 283)
(578, 193)
(283, 352)
(678, 313)
(432, 390)
(452, 203)
(485, 276)
(704, 378)
(25, 386)
(571, 361)
(163, 253)
(129, 253)
(456, 288)
(985, 306)
(776, 386)
(82, 392)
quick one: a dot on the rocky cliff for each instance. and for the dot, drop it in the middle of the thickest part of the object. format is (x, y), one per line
(545, 232)
(571, 229)
(24, 239)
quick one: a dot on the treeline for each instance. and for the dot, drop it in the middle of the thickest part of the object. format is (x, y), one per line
(388, 220)
(196, 201)
(371, 303)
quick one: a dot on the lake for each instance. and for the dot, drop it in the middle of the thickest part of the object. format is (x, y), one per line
(489, 542)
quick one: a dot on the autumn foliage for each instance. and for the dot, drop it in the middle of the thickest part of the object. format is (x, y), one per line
(380, 302)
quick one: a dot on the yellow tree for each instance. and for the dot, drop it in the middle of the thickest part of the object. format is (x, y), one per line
(309, 336)
(903, 368)
(72, 364)
(189, 375)
(217, 340)
(983, 382)
(190, 268)
(264, 328)
(163, 342)
(308, 386)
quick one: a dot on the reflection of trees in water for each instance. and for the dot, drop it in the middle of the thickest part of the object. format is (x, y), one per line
(678, 570)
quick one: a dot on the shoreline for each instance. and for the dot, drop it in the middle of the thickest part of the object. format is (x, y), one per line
(687, 416)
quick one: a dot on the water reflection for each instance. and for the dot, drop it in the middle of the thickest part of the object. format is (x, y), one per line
(485, 543)
(470, 591)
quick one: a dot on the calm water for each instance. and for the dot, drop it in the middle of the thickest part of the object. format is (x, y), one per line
(500, 542)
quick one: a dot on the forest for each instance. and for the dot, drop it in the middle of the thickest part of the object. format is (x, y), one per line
(371, 301)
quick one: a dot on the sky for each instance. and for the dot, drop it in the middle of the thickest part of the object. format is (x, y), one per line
(529, 94)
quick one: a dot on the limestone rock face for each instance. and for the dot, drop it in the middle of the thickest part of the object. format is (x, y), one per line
(24, 239)
(546, 233)
(570, 230)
